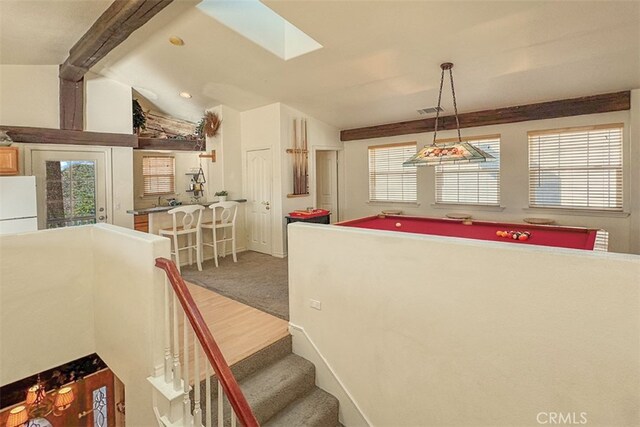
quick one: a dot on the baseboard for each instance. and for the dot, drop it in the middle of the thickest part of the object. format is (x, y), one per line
(326, 378)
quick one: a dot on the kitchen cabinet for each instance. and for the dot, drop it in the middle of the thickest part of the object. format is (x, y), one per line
(141, 222)
(9, 161)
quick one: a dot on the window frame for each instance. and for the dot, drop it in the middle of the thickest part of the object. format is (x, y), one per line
(471, 140)
(145, 176)
(576, 129)
(371, 174)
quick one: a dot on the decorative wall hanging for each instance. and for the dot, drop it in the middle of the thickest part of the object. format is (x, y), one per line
(456, 152)
(208, 125)
(300, 160)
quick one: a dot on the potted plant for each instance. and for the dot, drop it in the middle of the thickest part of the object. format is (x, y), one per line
(222, 195)
(139, 118)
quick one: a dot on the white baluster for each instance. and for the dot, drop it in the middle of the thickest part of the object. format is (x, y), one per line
(176, 346)
(220, 405)
(167, 329)
(207, 381)
(197, 413)
(233, 418)
(186, 404)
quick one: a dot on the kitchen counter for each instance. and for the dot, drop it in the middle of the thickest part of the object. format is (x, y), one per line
(168, 208)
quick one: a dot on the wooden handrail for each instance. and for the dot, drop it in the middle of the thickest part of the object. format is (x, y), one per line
(214, 355)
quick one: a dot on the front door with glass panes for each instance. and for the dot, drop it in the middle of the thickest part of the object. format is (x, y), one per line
(71, 187)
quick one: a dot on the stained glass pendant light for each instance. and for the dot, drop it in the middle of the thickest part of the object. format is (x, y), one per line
(448, 153)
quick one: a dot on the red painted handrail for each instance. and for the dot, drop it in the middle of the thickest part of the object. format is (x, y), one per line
(223, 372)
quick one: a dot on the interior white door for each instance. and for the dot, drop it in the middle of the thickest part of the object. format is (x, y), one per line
(259, 200)
(327, 182)
(71, 187)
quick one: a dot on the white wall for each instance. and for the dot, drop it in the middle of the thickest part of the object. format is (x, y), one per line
(127, 294)
(232, 166)
(513, 180)
(319, 136)
(502, 335)
(185, 161)
(272, 127)
(260, 129)
(29, 95)
(46, 301)
(70, 292)
(108, 105)
(634, 161)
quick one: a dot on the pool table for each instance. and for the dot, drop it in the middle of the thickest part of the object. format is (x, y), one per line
(545, 235)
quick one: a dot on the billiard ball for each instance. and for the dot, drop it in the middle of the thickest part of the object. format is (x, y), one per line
(398, 225)
(523, 237)
(499, 233)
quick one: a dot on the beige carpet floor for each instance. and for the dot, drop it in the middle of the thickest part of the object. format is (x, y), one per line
(258, 280)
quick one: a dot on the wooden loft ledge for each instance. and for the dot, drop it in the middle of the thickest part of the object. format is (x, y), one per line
(170, 144)
(617, 101)
(32, 135)
(63, 136)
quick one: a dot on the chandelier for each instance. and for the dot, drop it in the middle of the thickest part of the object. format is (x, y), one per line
(39, 405)
(456, 152)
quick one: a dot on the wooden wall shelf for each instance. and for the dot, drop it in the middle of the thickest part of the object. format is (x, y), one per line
(291, 196)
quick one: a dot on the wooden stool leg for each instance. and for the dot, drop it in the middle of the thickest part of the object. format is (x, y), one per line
(176, 251)
(224, 242)
(199, 249)
(233, 243)
(215, 246)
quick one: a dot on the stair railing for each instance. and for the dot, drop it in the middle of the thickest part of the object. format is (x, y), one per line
(178, 375)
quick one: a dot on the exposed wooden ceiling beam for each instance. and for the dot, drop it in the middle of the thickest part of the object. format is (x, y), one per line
(117, 23)
(61, 136)
(617, 101)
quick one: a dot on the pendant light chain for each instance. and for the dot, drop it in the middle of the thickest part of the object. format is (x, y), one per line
(435, 129)
(455, 105)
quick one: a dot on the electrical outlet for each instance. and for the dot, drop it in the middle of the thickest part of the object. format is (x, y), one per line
(315, 304)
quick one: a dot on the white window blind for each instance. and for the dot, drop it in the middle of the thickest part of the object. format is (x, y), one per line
(471, 183)
(158, 175)
(576, 168)
(389, 181)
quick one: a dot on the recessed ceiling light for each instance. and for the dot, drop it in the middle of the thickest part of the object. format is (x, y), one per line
(185, 95)
(176, 41)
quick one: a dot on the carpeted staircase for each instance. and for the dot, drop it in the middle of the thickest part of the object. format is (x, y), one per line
(280, 387)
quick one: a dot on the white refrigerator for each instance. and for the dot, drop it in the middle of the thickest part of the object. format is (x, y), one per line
(18, 209)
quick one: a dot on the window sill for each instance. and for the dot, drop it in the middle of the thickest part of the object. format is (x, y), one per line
(579, 212)
(470, 207)
(387, 203)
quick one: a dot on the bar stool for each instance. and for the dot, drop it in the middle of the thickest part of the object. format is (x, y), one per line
(224, 218)
(191, 218)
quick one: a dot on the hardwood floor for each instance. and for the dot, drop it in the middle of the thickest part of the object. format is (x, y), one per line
(238, 329)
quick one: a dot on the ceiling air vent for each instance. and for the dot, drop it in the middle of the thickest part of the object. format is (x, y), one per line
(430, 110)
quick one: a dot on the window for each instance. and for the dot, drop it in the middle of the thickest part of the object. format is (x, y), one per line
(576, 168)
(158, 175)
(389, 181)
(471, 183)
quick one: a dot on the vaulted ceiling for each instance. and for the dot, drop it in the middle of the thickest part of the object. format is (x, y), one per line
(380, 60)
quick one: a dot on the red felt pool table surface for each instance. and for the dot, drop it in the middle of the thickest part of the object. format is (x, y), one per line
(545, 235)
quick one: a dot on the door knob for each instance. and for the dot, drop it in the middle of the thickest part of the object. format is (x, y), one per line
(265, 203)
(101, 218)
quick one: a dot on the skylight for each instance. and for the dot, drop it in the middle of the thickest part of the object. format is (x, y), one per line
(261, 25)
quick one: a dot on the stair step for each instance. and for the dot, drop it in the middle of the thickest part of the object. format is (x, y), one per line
(273, 388)
(316, 409)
